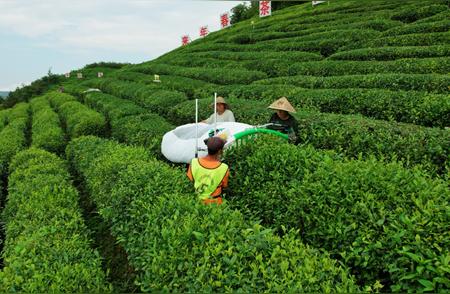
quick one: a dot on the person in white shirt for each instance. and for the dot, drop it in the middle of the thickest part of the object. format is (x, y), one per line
(224, 114)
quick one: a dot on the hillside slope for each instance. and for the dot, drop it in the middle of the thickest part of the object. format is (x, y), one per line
(357, 71)
(361, 204)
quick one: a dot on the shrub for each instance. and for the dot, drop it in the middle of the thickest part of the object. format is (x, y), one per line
(211, 75)
(232, 255)
(58, 99)
(343, 34)
(433, 83)
(161, 101)
(428, 39)
(411, 15)
(204, 62)
(272, 67)
(115, 65)
(402, 106)
(122, 89)
(433, 27)
(12, 139)
(245, 111)
(130, 123)
(143, 130)
(337, 68)
(81, 120)
(78, 118)
(36, 88)
(46, 131)
(374, 21)
(437, 17)
(112, 107)
(47, 246)
(240, 56)
(385, 222)
(20, 110)
(391, 53)
(357, 136)
(3, 118)
(75, 90)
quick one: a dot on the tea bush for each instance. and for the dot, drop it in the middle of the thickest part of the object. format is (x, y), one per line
(46, 132)
(3, 118)
(357, 136)
(47, 246)
(112, 107)
(433, 27)
(212, 75)
(393, 52)
(143, 130)
(155, 219)
(130, 123)
(342, 68)
(162, 100)
(20, 110)
(412, 15)
(168, 82)
(385, 222)
(13, 135)
(432, 110)
(433, 83)
(78, 118)
(240, 56)
(420, 39)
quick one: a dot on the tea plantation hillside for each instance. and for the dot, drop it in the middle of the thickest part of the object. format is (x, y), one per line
(89, 204)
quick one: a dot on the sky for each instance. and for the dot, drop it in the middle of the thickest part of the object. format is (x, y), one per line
(62, 35)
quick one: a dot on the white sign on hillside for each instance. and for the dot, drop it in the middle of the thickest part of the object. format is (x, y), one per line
(265, 8)
(314, 3)
(157, 80)
(100, 74)
(79, 75)
(67, 75)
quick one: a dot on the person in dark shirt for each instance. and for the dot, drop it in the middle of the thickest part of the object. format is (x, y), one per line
(282, 120)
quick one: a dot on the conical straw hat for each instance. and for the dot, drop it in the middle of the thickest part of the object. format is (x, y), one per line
(282, 104)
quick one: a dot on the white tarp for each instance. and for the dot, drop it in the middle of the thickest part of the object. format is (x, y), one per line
(178, 145)
(314, 3)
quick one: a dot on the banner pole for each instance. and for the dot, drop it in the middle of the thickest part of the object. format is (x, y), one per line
(215, 113)
(196, 128)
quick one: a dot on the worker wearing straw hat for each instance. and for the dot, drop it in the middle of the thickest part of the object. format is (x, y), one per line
(224, 114)
(283, 119)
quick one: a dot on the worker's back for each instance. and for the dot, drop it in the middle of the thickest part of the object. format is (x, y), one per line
(209, 175)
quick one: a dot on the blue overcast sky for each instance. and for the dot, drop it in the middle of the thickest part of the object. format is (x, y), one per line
(63, 35)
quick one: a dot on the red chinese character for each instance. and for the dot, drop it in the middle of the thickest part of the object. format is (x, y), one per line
(185, 40)
(203, 31)
(264, 8)
(225, 20)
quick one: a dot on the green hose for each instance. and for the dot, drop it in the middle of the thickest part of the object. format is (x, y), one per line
(254, 131)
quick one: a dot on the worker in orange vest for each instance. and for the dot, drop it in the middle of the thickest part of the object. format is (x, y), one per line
(210, 175)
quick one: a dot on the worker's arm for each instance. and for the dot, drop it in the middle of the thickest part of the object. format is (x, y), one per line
(231, 118)
(295, 126)
(189, 174)
(225, 179)
(209, 120)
